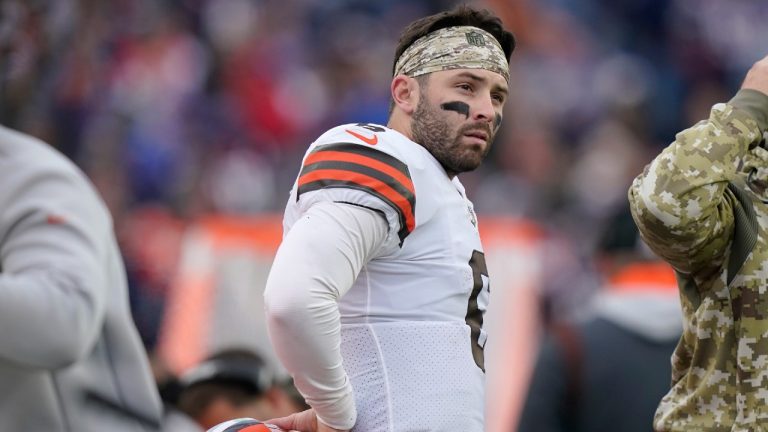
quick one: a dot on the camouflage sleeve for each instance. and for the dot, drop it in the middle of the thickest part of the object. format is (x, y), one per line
(680, 202)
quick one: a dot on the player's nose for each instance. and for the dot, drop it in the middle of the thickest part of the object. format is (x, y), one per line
(484, 109)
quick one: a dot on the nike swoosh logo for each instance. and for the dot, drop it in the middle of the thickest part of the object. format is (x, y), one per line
(363, 138)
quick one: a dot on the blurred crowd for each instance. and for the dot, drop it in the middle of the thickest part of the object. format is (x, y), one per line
(182, 108)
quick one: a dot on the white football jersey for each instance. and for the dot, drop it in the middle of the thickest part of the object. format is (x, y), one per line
(412, 323)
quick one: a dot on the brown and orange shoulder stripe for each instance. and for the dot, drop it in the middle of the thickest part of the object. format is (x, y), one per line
(347, 165)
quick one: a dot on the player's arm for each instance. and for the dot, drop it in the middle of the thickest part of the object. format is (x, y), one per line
(316, 264)
(681, 202)
(52, 281)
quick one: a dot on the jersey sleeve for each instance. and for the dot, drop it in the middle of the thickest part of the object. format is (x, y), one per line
(333, 242)
(360, 175)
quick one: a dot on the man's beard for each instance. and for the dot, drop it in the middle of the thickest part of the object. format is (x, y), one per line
(433, 132)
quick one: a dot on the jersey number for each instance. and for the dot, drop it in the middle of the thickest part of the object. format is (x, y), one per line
(474, 317)
(371, 127)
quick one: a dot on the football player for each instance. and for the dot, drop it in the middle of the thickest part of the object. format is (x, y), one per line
(376, 297)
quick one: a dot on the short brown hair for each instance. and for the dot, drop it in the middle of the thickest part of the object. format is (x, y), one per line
(459, 16)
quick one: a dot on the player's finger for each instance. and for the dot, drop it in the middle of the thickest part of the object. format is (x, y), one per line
(286, 423)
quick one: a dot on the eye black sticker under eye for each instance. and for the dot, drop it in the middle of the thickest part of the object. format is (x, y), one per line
(459, 107)
(497, 121)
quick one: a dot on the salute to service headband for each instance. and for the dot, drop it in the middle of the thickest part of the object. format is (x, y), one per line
(462, 47)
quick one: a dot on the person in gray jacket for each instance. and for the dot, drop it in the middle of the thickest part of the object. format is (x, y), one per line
(608, 372)
(70, 355)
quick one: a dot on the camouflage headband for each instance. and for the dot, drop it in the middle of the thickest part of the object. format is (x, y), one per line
(464, 47)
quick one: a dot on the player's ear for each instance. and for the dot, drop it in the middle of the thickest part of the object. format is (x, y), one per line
(405, 93)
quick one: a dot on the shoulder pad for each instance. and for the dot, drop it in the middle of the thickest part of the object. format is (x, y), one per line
(361, 167)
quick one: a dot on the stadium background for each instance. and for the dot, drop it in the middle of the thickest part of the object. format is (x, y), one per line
(184, 111)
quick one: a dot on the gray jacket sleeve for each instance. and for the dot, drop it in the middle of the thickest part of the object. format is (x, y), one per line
(54, 232)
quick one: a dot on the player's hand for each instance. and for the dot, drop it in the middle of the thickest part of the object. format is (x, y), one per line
(305, 421)
(757, 77)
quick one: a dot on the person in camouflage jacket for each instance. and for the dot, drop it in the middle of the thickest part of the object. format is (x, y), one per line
(701, 205)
